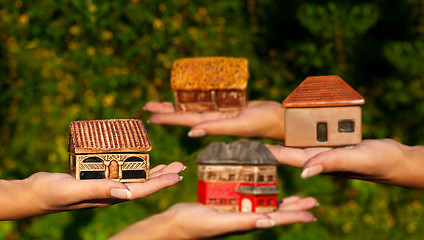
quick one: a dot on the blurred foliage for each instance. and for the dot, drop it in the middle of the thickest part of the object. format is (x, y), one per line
(71, 60)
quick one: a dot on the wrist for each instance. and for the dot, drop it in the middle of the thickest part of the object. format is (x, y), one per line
(156, 227)
(414, 163)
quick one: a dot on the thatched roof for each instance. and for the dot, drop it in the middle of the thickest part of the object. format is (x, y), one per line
(112, 135)
(236, 153)
(209, 73)
(323, 91)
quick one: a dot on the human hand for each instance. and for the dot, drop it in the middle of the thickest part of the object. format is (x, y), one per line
(383, 161)
(197, 221)
(44, 193)
(263, 119)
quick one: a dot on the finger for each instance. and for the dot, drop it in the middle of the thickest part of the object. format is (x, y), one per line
(290, 199)
(301, 204)
(290, 217)
(155, 184)
(183, 118)
(295, 157)
(156, 107)
(224, 127)
(157, 168)
(174, 167)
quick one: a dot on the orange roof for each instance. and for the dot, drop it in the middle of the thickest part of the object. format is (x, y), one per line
(208, 73)
(323, 91)
(112, 135)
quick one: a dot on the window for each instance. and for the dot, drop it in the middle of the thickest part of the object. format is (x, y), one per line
(261, 203)
(270, 178)
(133, 168)
(188, 96)
(322, 132)
(222, 201)
(133, 174)
(270, 202)
(250, 178)
(232, 177)
(211, 176)
(261, 178)
(232, 201)
(204, 96)
(212, 201)
(92, 168)
(347, 125)
(92, 175)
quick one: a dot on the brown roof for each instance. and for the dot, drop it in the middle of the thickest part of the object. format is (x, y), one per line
(208, 73)
(112, 135)
(323, 91)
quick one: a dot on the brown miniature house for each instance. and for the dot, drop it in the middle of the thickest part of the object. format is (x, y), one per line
(238, 176)
(110, 149)
(323, 111)
(210, 83)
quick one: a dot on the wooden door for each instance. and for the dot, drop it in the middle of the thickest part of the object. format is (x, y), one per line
(113, 170)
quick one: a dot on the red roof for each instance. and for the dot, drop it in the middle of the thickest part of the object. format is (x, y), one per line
(112, 135)
(323, 91)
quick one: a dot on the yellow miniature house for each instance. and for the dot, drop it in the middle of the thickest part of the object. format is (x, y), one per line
(110, 149)
(210, 83)
(323, 111)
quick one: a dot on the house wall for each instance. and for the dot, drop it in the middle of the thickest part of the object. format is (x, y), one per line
(223, 100)
(118, 158)
(301, 126)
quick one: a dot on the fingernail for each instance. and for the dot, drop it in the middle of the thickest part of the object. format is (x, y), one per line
(181, 178)
(312, 171)
(148, 121)
(120, 193)
(315, 219)
(265, 223)
(197, 133)
(144, 108)
(184, 168)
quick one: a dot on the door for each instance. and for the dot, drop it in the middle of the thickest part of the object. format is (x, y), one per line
(113, 170)
(246, 205)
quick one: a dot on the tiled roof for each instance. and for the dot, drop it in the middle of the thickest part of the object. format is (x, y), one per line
(323, 91)
(239, 153)
(112, 135)
(208, 73)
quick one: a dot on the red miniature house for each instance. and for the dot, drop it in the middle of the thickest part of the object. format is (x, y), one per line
(323, 111)
(110, 149)
(210, 83)
(238, 176)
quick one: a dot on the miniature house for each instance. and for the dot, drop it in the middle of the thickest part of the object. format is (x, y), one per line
(210, 83)
(323, 111)
(110, 149)
(238, 176)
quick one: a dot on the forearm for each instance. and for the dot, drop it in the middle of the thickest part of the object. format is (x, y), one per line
(16, 201)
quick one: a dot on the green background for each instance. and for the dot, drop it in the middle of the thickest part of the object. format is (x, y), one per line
(71, 60)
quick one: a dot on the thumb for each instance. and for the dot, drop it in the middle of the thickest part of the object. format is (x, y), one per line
(100, 189)
(336, 160)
